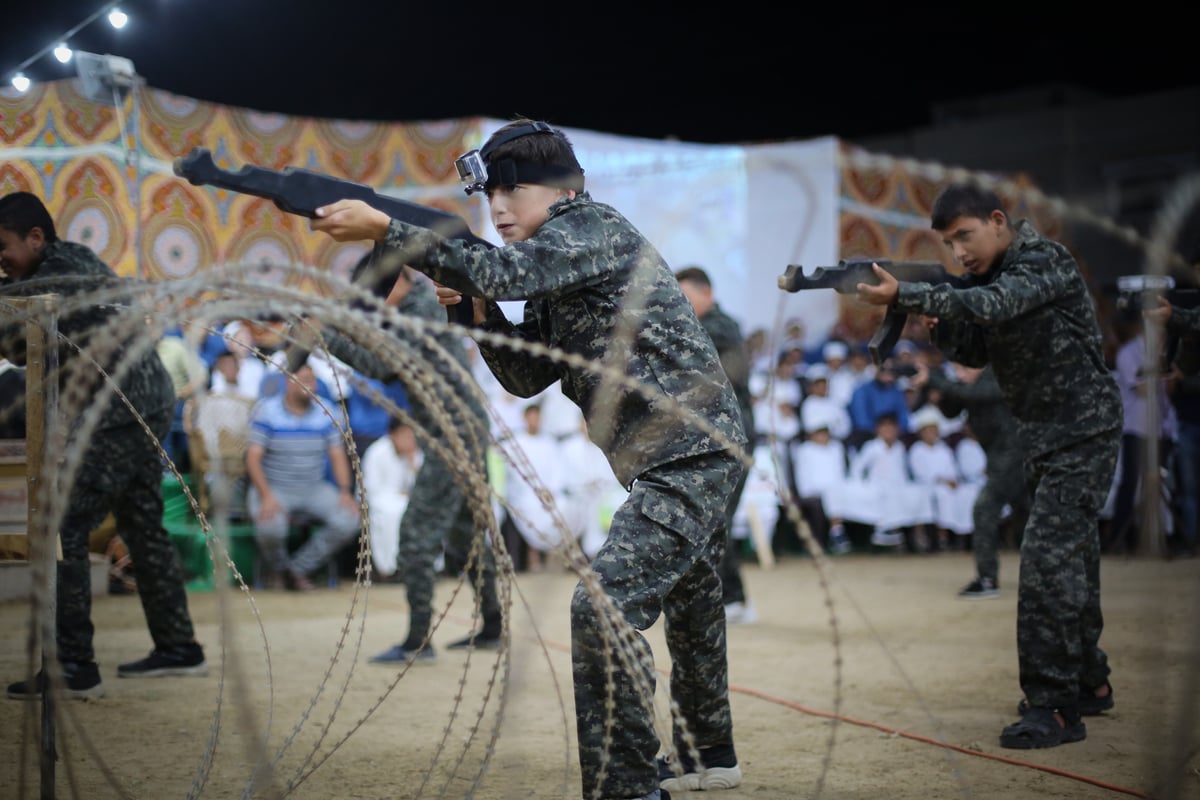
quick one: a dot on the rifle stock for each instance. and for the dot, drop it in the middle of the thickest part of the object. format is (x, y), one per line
(302, 192)
(848, 273)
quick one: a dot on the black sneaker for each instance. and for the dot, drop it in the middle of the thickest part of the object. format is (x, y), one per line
(718, 770)
(404, 653)
(980, 589)
(486, 639)
(186, 660)
(82, 682)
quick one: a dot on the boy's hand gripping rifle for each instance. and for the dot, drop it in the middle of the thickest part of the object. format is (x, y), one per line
(302, 192)
(849, 273)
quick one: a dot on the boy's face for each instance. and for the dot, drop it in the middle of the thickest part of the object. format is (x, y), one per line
(518, 211)
(887, 430)
(20, 255)
(928, 434)
(978, 244)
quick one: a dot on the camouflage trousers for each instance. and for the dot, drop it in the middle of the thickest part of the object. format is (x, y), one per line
(121, 473)
(1004, 485)
(1058, 604)
(732, 588)
(439, 517)
(661, 556)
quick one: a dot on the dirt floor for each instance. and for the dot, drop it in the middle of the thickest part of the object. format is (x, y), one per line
(868, 679)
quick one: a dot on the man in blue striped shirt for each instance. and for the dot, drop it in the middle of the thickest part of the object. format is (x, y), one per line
(292, 438)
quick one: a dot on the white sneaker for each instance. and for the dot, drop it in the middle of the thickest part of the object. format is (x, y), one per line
(740, 614)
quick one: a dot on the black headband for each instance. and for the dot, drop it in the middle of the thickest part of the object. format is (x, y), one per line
(508, 172)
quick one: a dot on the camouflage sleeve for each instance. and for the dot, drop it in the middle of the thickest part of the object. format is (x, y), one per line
(1024, 285)
(960, 341)
(958, 396)
(519, 372)
(553, 259)
(345, 349)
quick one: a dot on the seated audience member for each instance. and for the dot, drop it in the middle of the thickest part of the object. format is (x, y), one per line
(932, 464)
(291, 438)
(880, 490)
(872, 400)
(819, 466)
(817, 404)
(389, 469)
(591, 493)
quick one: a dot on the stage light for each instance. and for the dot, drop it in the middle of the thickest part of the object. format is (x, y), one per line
(63, 53)
(117, 18)
(20, 82)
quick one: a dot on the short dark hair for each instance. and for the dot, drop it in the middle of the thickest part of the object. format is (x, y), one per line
(963, 200)
(550, 148)
(695, 275)
(21, 212)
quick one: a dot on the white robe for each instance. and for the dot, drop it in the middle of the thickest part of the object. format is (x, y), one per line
(591, 492)
(541, 467)
(879, 490)
(933, 466)
(387, 481)
(820, 471)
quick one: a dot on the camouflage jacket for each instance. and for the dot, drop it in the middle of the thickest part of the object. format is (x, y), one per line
(596, 289)
(1031, 317)
(731, 350)
(421, 303)
(988, 416)
(71, 270)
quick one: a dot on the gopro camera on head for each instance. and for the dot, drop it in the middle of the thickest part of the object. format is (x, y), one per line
(472, 172)
(472, 169)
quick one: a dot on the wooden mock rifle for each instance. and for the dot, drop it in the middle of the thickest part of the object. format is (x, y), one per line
(302, 192)
(845, 277)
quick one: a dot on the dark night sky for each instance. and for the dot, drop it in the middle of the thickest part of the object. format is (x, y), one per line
(733, 73)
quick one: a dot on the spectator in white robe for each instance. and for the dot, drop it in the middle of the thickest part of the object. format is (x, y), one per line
(389, 468)
(818, 405)
(972, 472)
(591, 492)
(535, 466)
(819, 466)
(880, 490)
(560, 416)
(932, 464)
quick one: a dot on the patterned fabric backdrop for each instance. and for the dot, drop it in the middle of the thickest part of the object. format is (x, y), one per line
(123, 199)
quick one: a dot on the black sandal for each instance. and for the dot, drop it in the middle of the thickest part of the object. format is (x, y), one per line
(1089, 705)
(1039, 728)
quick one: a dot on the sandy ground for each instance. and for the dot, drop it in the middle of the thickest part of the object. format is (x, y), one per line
(868, 679)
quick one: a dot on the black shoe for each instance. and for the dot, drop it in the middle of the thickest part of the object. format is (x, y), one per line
(405, 654)
(82, 682)
(186, 660)
(980, 589)
(718, 770)
(486, 639)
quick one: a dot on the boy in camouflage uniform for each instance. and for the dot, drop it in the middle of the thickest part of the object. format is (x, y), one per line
(438, 515)
(594, 287)
(1023, 307)
(121, 471)
(1004, 483)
